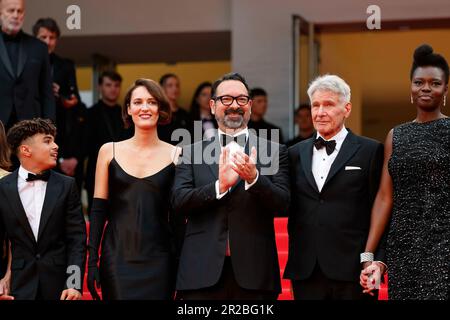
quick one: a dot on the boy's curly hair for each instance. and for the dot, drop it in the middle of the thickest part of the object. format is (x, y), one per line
(28, 128)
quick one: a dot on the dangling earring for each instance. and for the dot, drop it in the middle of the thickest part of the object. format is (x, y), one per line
(445, 100)
(412, 101)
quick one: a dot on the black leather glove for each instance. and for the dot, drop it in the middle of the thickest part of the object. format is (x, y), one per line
(97, 223)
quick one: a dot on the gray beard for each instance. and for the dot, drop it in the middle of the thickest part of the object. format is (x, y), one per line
(233, 124)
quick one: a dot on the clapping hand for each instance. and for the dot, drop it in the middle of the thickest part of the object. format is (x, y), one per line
(244, 165)
(227, 176)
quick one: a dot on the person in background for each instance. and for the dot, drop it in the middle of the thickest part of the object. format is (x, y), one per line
(200, 110)
(26, 85)
(181, 119)
(70, 111)
(302, 118)
(257, 122)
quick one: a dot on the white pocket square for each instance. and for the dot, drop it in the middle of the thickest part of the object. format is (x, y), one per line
(352, 168)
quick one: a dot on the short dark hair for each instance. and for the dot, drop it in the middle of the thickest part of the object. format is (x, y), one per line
(47, 23)
(28, 128)
(5, 151)
(424, 57)
(163, 79)
(229, 76)
(255, 92)
(301, 107)
(111, 74)
(157, 92)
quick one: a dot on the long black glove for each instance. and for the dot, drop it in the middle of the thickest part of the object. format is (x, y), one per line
(97, 223)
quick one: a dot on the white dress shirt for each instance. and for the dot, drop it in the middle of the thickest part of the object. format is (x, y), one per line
(32, 195)
(233, 146)
(321, 161)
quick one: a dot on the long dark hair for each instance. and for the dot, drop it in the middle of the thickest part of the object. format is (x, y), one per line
(195, 107)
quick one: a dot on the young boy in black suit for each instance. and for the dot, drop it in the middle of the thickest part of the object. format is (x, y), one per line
(40, 212)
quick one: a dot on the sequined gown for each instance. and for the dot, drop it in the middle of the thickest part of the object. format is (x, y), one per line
(418, 243)
(137, 250)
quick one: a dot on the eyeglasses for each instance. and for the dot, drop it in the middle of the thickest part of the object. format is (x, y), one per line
(228, 100)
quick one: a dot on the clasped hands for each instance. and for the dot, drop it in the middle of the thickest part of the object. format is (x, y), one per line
(370, 277)
(233, 165)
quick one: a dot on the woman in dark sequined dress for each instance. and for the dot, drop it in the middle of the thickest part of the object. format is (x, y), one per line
(414, 196)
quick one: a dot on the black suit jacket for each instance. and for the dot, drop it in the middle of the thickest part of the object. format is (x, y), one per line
(29, 90)
(331, 227)
(71, 122)
(61, 238)
(247, 216)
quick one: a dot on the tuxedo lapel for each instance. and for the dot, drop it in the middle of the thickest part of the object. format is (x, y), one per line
(52, 195)
(22, 57)
(348, 149)
(5, 58)
(16, 204)
(305, 155)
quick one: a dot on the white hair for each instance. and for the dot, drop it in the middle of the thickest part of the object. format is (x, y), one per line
(331, 83)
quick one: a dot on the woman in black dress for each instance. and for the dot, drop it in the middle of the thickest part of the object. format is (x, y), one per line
(415, 188)
(132, 184)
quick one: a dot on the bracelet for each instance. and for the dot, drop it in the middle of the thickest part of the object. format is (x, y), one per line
(366, 257)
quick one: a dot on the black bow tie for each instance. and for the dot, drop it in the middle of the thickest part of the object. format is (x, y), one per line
(239, 139)
(43, 176)
(330, 145)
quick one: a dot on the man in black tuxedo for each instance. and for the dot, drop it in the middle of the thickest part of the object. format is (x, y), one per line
(334, 180)
(26, 86)
(40, 211)
(70, 111)
(230, 188)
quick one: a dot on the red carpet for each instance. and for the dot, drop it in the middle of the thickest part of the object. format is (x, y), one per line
(282, 240)
(283, 245)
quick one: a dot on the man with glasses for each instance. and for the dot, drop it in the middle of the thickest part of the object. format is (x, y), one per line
(230, 196)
